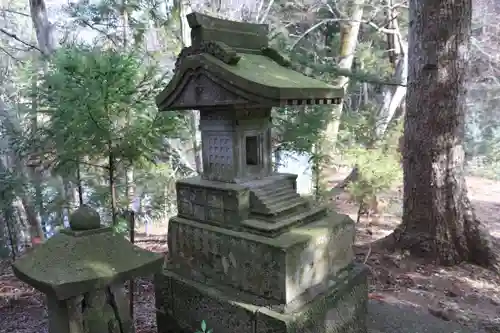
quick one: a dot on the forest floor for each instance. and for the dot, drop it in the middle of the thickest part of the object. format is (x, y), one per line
(466, 294)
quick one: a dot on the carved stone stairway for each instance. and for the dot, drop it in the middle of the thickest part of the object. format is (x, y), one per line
(276, 207)
(276, 197)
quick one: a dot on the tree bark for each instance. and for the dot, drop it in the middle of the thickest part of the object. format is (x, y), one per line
(43, 28)
(46, 45)
(438, 219)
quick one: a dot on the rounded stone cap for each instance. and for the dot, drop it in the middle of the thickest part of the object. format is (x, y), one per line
(84, 218)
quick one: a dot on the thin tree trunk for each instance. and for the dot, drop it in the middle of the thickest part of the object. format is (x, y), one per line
(438, 220)
(43, 28)
(79, 185)
(46, 44)
(112, 185)
(392, 108)
(9, 221)
(349, 41)
(9, 122)
(36, 175)
(33, 221)
(184, 9)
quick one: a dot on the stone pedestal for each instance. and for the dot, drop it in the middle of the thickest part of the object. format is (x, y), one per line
(338, 306)
(279, 264)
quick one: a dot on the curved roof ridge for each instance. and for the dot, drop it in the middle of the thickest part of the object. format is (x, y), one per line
(240, 72)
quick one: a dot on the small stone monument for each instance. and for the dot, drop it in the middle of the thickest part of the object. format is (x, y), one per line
(81, 270)
(247, 254)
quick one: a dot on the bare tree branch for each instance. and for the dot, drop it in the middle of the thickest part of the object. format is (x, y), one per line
(10, 55)
(14, 12)
(317, 25)
(266, 13)
(14, 36)
(110, 37)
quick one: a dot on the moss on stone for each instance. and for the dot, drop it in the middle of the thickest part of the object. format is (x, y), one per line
(265, 71)
(241, 59)
(221, 51)
(276, 56)
(84, 218)
(69, 266)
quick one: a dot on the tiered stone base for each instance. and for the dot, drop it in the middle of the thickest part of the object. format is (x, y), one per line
(182, 304)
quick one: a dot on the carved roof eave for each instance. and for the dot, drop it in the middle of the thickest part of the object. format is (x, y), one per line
(255, 94)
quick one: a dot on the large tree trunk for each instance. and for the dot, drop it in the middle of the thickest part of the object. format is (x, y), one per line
(438, 220)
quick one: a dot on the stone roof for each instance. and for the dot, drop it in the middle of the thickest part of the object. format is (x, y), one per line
(231, 64)
(74, 262)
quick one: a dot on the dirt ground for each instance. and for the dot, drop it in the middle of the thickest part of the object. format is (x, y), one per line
(465, 293)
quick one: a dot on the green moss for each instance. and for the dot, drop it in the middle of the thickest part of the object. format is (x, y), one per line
(70, 266)
(84, 218)
(265, 71)
(265, 78)
(221, 51)
(241, 58)
(276, 56)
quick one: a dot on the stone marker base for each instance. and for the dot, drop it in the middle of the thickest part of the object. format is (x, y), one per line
(183, 304)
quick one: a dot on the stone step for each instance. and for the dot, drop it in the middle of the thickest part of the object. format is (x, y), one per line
(305, 215)
(280, 207)
(279, 196)
(276, 191)
(280, 225)
(273, 187)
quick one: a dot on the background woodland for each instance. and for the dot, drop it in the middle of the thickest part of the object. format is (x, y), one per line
(79, 123)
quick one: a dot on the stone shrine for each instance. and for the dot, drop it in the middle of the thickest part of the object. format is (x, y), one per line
(247, 253)
(81, 270)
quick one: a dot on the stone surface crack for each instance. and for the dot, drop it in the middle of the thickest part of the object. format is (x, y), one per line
(112, 302)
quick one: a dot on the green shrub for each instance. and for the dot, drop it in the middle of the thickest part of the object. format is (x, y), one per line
(378, 169)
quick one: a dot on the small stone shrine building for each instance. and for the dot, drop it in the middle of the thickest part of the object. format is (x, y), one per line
(247, 254)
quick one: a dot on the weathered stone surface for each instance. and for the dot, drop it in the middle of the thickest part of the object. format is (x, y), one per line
(98, 314)
(120, 300)
(69, 266)
(278, 268)
(339, 308)
(84, 218)
(247, 253)
(267, 198)
(82, 273)
(237, 59)
(215, 202)
(75, 269)
(65, 315)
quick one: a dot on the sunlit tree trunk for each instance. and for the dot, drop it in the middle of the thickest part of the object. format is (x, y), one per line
(394, 96)
(326, 148)
(438, 220)
(43, 28)
(46, 45)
